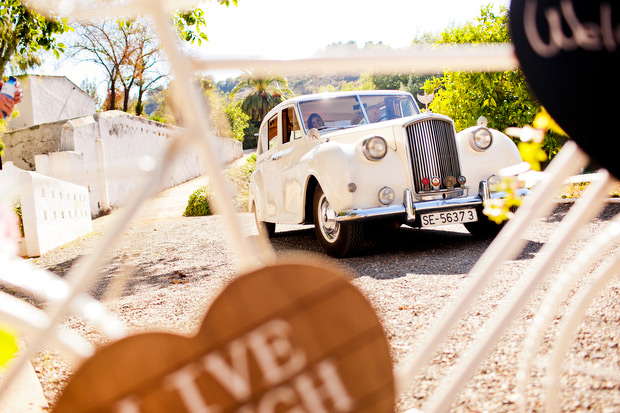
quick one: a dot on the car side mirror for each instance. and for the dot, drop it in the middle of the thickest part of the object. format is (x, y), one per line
(315, 134)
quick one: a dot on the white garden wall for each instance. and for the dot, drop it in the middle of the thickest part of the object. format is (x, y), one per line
(102, 152)
(54, 212)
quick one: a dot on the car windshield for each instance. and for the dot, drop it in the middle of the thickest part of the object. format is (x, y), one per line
(348, 111)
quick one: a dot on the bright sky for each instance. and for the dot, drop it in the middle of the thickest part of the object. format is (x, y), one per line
(283, 29)
(292, 29)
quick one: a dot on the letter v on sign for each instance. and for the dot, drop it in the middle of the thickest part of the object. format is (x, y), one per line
(234, 377)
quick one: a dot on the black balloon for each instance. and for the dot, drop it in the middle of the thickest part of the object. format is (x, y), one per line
(569, 51)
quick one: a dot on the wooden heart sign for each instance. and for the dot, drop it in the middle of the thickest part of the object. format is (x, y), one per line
(287, 338)
(569, 51)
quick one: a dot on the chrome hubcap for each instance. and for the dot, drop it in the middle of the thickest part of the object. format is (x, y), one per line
(327, 220)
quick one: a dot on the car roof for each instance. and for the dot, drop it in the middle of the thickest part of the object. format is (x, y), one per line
(329, 95)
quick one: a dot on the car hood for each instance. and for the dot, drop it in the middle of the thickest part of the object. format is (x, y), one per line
(389, 130)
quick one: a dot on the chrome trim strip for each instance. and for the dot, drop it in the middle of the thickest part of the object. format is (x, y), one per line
(502, 194)
(409, 210)
(442, 193)
(483, 191)
(370, 213)
(443, 204)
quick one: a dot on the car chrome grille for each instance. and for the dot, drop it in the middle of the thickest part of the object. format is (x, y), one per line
(432, 143)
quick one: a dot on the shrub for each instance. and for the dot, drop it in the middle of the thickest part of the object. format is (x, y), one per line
(199, 203)
(18, 211)
(250, 138)
(240, 176)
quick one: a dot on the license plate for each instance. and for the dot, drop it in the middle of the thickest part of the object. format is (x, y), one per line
(449, 217)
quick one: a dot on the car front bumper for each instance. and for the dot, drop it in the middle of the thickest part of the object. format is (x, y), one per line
(410, 210)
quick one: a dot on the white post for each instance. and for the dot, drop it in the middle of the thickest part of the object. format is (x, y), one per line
(101, 176)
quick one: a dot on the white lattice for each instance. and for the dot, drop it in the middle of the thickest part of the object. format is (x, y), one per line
(68, 295)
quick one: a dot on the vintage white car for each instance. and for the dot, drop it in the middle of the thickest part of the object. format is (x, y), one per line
(340, 160)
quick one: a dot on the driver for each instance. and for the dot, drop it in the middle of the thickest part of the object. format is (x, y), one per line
(374, 113)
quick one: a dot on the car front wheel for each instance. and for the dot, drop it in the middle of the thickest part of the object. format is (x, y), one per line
(337, 239)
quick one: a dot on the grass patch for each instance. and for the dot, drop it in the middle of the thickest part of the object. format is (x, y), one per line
(199, 203)
(18, 211)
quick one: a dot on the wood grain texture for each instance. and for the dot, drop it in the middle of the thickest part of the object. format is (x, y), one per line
(290, 336)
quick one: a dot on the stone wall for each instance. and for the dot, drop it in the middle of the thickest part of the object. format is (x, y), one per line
(22, 145)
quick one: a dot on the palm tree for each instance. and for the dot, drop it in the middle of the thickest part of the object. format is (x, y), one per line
(264, 92)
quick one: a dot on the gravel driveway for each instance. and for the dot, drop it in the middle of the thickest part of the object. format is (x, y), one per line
(178, 265)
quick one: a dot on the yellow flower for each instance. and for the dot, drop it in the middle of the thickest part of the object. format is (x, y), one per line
(8, 345)
(544, 121)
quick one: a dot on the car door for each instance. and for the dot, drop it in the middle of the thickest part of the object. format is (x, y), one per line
(266, 170)
(291, 178)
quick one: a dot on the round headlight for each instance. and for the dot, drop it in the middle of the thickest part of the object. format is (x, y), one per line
(374, 148)
(481, 139)
(386, 195)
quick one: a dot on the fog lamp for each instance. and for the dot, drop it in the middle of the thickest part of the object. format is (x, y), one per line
(386, 195)
(494, 182)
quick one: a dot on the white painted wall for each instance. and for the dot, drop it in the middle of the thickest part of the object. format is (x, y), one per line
(103, 152)
(54, 212)
(50, 99)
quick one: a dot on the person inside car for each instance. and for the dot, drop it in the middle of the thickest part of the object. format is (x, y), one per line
(315, 121)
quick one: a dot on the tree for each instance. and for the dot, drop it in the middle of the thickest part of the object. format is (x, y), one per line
(148, 72)
(227, 118)
(90, 87)
(502, 97)
(105, 43)
(262, 93)
(145, 67)
(25, 32)
(129, 52)
(409, 82)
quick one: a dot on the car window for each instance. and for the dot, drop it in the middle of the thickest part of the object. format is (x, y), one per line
(330, 113)
(263, 138)
(272, 132)
(386, 107)
(349, 111)
(290, 126)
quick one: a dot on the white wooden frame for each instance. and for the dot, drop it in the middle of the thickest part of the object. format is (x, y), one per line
(43, 326)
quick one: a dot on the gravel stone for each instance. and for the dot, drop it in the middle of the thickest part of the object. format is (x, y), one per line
(176, 267)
